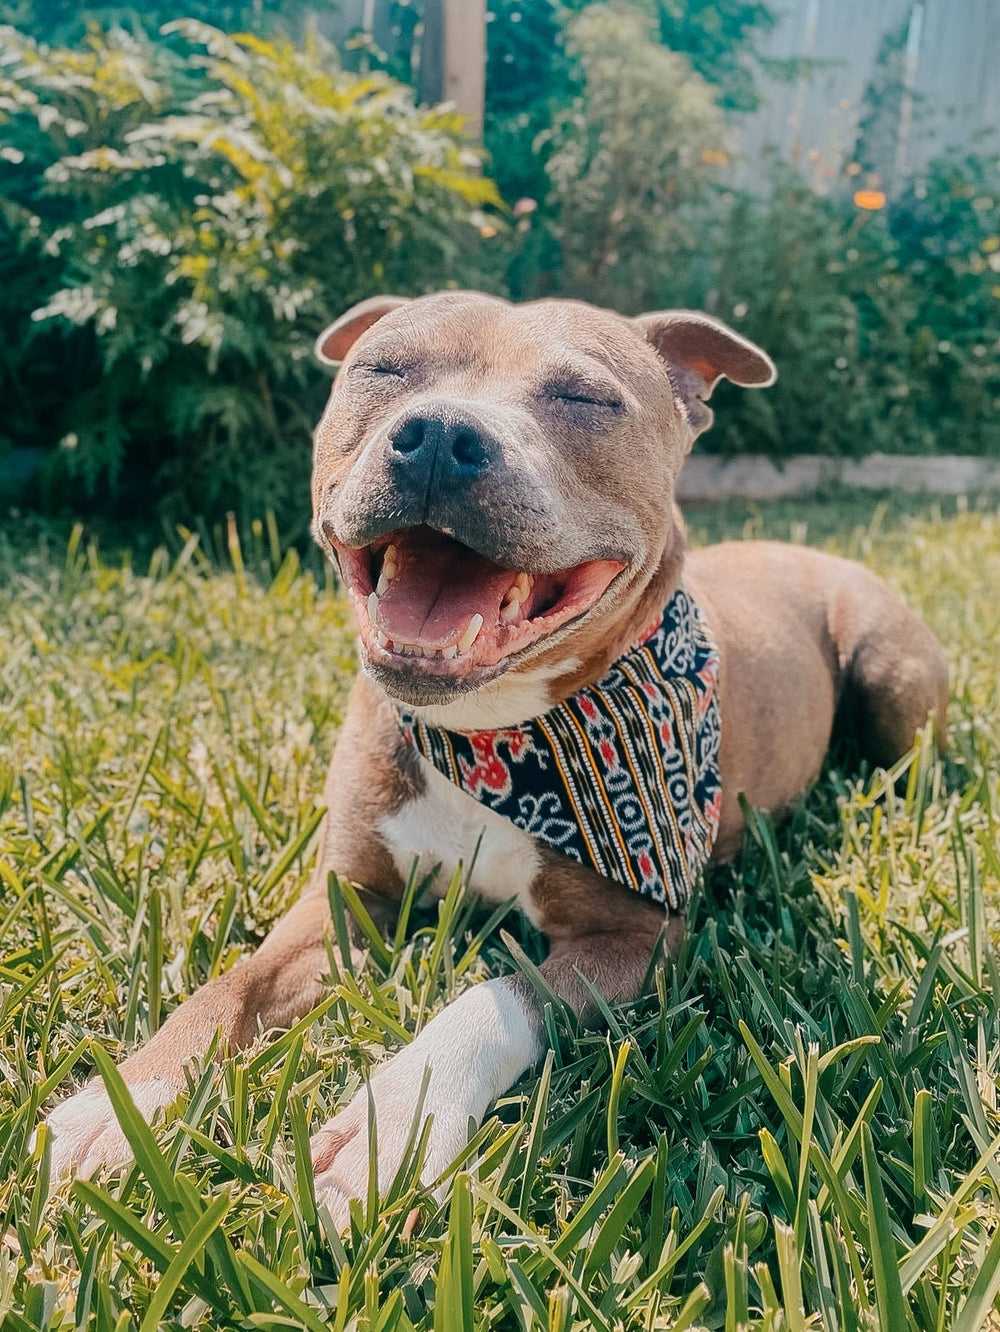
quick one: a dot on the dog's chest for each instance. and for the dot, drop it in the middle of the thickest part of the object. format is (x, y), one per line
(444, 826)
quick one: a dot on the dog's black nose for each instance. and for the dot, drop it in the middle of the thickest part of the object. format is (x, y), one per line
(442, 447)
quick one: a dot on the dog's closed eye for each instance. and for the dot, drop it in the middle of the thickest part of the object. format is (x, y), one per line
(384, 369)
(579, 394)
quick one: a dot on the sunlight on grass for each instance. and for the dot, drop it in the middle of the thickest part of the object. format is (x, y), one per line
(797, 1129)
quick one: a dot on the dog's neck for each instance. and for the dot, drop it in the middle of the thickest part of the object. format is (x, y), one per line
(520, 695)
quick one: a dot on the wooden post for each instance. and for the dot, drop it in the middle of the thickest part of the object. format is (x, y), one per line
(453, 58)
(431, 82)
(465, 60)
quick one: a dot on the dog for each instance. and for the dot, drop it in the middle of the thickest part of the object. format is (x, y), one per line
(553, 691)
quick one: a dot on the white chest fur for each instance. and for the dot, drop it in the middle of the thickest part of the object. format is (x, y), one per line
(444, 826)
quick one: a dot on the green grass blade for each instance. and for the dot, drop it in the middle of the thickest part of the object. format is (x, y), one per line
(974, 1313)
(889, 1298)
(193, 1245)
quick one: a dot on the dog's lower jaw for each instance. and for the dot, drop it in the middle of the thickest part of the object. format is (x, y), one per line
(416, 689)
(512, 698)
(515, 690)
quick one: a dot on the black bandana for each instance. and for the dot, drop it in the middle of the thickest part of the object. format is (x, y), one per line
(624, 775)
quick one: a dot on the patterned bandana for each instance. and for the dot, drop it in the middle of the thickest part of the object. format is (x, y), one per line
(624, 775)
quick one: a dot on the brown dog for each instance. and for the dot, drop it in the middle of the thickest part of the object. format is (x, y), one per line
(496, 484)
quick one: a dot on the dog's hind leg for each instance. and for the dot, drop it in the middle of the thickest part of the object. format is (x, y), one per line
(894, 674)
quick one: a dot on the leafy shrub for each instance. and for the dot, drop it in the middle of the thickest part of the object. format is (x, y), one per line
(188, 213)
(720, 39)
(65, 22)
(627, 158)
(179, 215)
(546, 63)
(885, 326)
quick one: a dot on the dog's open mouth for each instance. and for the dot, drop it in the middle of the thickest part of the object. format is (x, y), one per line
(425, 601)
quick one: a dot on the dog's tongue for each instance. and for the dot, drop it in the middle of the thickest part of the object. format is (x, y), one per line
(438, 586)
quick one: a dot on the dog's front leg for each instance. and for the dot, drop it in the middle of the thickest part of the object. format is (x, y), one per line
(469, 1054)
(273, 988)
(283, 979)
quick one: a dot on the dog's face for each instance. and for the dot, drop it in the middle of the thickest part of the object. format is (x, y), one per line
(496, 481)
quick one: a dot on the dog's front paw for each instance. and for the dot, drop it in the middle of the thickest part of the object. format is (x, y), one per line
(341, 1150)
(461, 1061)
(85, 1132)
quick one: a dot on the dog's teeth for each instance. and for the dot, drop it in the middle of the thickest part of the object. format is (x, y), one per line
(469, 637)
(382, 641)
(372, 608)
(450, 652)
(510, 607)
(384, 579)
(391, 554)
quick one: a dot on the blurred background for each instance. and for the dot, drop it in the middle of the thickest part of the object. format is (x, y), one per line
(190, 190)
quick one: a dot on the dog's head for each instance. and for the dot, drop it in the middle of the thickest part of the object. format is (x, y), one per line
(496, 482)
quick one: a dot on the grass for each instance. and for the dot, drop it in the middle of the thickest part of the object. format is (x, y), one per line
(797, 1129)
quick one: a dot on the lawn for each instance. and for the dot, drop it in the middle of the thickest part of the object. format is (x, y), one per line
(798, 1128)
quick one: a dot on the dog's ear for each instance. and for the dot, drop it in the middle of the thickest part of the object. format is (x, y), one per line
(699, 351)
(335, 342)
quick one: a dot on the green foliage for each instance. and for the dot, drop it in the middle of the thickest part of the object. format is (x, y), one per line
(179, 214)
(64, 21)
(528, 73)
(884, 326)
(718, 37)
(570, 79)
(796, 1129)
(189, 212)
(627, 159)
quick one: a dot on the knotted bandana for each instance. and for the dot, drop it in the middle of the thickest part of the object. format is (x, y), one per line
(624, 775)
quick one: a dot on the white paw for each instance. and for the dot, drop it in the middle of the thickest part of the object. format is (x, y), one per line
(340, 1150)
(85, 1133)
(473, 1050)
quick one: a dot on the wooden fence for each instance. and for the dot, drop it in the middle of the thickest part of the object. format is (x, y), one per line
(939, 71)
(939, 84)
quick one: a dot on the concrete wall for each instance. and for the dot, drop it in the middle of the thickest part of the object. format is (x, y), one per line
(705, 478)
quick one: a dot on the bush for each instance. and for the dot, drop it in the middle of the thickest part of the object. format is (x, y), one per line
(187, 213)
(179, 216)
(66, 22)
(885, 326)
(627, 159)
